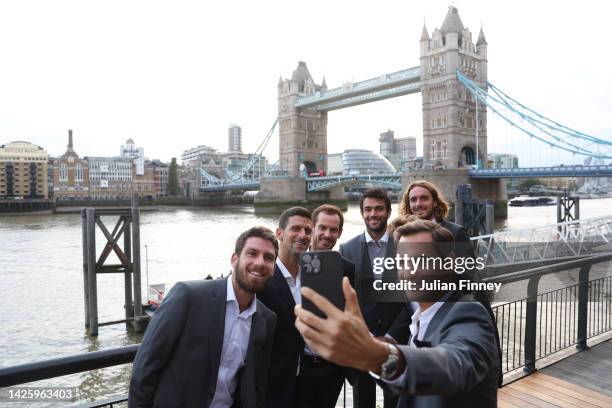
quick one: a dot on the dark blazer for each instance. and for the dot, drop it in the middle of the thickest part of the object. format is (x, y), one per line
(456, 365)
(178, 360)
(378, 315)
(288, 346)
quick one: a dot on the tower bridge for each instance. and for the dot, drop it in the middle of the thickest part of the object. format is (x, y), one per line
(452, 78)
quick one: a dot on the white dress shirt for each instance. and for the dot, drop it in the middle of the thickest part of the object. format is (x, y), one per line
(235, 344)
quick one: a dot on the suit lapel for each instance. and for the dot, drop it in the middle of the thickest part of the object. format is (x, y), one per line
(217, 302)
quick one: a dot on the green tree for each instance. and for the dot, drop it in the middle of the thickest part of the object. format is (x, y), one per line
(173, 178)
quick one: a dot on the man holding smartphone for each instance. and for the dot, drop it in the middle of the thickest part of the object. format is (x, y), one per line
(321, 381)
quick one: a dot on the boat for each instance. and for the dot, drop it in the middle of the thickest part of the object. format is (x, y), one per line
(525, 201)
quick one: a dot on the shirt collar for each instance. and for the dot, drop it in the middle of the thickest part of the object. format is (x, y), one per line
(231, 296)
(284, 269)
(384, 238)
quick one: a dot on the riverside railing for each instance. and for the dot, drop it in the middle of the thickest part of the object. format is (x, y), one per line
(530, 329)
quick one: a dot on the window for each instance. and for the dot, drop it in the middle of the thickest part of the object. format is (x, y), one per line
(78, 172)
(63, 172)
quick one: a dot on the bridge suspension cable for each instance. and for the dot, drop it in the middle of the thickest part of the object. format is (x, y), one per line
(538, 126)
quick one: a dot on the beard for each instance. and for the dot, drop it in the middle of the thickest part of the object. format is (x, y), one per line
(242, 282)
(382, 226)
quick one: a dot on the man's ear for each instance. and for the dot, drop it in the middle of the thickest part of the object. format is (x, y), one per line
(234, 259)
(279, 233)
(339, 233)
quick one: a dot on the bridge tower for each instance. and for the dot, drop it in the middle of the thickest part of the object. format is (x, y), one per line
(302, 132)
(450, 121)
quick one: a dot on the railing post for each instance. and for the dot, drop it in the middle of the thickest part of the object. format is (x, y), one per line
(583, 307)
(91, 272)
(531, 325)
(85, 266)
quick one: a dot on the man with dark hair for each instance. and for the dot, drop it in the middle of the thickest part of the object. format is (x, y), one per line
(451, 361)
(320, 380)
(209, 343)
(424, 200)
(362, 250)
(281, 295)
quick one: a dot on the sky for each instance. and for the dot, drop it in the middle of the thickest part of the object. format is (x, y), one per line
(174, 74)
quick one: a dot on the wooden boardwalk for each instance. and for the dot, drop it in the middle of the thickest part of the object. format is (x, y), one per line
(583, 380)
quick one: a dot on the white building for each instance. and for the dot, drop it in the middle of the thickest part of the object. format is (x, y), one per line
(130, 151)
(234, 138)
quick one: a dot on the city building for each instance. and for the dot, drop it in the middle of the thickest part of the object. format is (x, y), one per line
(334, 164)
(358, 161)
(23, 171)
(234, 138)
(130, 151)
(193, 153)
(70, 174)
(161, 172)
(118, 177)
(502, 161)
(397, 151)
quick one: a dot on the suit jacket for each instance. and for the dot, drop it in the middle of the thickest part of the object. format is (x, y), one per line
(400, 329)
(288, 347)
(456, 365)
(378, 315)
(178, 360)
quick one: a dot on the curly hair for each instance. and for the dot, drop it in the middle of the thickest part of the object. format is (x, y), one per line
(440, 210)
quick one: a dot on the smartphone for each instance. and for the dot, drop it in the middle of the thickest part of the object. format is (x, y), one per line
(322, 271)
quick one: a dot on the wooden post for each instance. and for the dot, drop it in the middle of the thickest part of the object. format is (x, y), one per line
(576, 208)
(85, 266)
(127, 248)
(136, 257)
(91, 271)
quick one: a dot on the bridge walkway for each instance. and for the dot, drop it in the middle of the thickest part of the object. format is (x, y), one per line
(583, 380)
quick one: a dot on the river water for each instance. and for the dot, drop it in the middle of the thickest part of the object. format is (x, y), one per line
(41, 284)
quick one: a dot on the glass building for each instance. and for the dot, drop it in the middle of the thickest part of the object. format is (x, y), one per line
(358, 161)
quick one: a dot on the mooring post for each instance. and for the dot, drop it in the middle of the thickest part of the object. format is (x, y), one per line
(489, 217)
(91, 271)
(85, 266)
(127, 248)
(576, 207)
(136, 258)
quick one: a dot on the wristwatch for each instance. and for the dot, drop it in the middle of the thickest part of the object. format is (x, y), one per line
(388, 369)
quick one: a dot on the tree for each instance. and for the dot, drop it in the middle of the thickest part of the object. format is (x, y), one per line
(173, 178)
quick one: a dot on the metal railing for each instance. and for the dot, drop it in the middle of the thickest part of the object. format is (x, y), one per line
(545, 323)
(530, 328)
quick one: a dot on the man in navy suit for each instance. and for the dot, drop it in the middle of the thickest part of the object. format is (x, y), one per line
(209, 343)
(281, 294)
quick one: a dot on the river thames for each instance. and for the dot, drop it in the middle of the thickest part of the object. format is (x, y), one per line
(41, 297)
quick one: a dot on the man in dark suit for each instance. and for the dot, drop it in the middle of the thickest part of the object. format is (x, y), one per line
(209, 343)
(374, 242)
(320, 380)
(424, 200)
(281, 294)
(451, 360)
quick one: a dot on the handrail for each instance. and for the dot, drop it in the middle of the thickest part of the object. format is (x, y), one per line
(57, 367)
(548, 269)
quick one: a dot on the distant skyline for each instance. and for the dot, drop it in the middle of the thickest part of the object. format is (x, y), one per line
(174, 75)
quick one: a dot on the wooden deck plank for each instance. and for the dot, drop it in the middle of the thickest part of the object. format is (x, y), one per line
(511, 400)
(563, 387)
(534, 392)
(585, 391)
(528, 399)
(570, 397)
(591, 369)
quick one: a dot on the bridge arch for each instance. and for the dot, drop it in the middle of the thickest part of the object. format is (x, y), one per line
(467, 156)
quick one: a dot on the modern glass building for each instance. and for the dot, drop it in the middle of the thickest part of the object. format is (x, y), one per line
(358, 161)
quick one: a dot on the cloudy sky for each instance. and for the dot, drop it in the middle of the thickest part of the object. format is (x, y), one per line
(173, 74)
